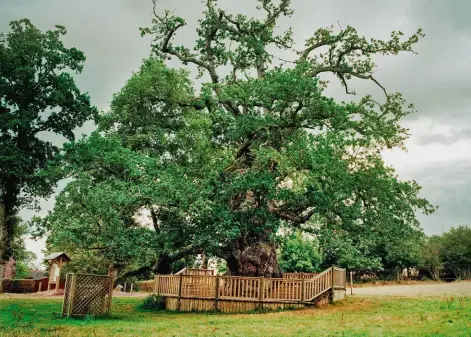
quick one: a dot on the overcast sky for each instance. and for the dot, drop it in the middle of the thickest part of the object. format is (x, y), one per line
(438, 80)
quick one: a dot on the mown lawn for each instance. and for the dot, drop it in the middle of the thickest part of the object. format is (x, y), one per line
(354, 317)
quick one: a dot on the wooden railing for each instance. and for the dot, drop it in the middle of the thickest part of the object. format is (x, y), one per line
(195, 271)
(200, 286)
(299, 275)
(250, 288)
(231, 287)
(167, 285)
(283, 290)
(318, 285)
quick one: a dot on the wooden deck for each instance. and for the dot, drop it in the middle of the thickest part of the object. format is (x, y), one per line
(204, 292)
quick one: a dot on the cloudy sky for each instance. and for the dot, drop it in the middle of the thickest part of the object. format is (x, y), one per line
(438, 80)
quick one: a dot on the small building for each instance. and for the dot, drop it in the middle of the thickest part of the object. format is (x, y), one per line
(55, 261)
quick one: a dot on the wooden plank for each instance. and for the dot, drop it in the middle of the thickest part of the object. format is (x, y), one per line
(72, 295)
(351, 283)
(303, 285)
(157, 285)
(110, 294)
(179, 291)
(65, 294)
(261, 291)
(216, 293)
(332, 285)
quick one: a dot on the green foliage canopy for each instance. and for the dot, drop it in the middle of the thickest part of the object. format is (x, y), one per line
(300, 254)
(259, 148)
(37, 95)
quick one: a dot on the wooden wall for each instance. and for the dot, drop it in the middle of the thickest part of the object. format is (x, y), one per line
(224, 306)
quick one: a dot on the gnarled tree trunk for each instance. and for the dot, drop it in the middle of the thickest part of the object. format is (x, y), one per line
(255, 259)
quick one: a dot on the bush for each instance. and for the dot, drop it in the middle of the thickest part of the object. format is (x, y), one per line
(153, 302)
(300, 254)
(18, 286)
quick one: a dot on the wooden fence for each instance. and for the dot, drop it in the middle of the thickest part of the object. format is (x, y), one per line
(212, 290)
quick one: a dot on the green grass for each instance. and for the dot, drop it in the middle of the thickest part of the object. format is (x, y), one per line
(353, 317)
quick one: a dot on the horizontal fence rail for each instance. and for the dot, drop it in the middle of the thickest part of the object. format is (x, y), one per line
(253, 289)
(195, 271)
(299, 275)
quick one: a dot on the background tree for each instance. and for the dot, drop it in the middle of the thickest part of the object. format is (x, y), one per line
(456, 251)
(37, 95)
(300, 254)
(285, 152)
(431, 256)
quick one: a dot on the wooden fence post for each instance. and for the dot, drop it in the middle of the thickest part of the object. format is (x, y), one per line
(65, 294)
(132, 284)
(72, 295)
(110, 294)
(351, 283)
(303, 292)
(216, 293)
(57, 284)
(179, 291)
(333, 285)
(157, 285)
(261, 292)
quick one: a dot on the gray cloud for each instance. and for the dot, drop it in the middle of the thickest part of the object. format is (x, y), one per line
(437, 80)
(456, 135)
(447, 186)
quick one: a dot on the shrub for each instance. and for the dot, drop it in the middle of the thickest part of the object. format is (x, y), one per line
(18, 286)
(153, 302)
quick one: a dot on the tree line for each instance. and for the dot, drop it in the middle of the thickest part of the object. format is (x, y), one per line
(446, 256)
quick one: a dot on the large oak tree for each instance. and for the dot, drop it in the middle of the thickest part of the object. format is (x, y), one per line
(288, 155)
(257, 151)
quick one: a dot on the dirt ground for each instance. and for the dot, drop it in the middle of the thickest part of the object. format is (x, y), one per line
(441, 289)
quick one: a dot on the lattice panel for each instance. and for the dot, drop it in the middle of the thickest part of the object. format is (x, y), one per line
(65, 305)
(88, 295)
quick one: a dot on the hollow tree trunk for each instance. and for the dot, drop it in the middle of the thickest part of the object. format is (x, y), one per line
(256, 259)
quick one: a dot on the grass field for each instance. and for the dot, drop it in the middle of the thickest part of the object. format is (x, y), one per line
(387, 316)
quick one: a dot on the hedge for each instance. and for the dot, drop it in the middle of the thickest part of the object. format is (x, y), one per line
(18, 286)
